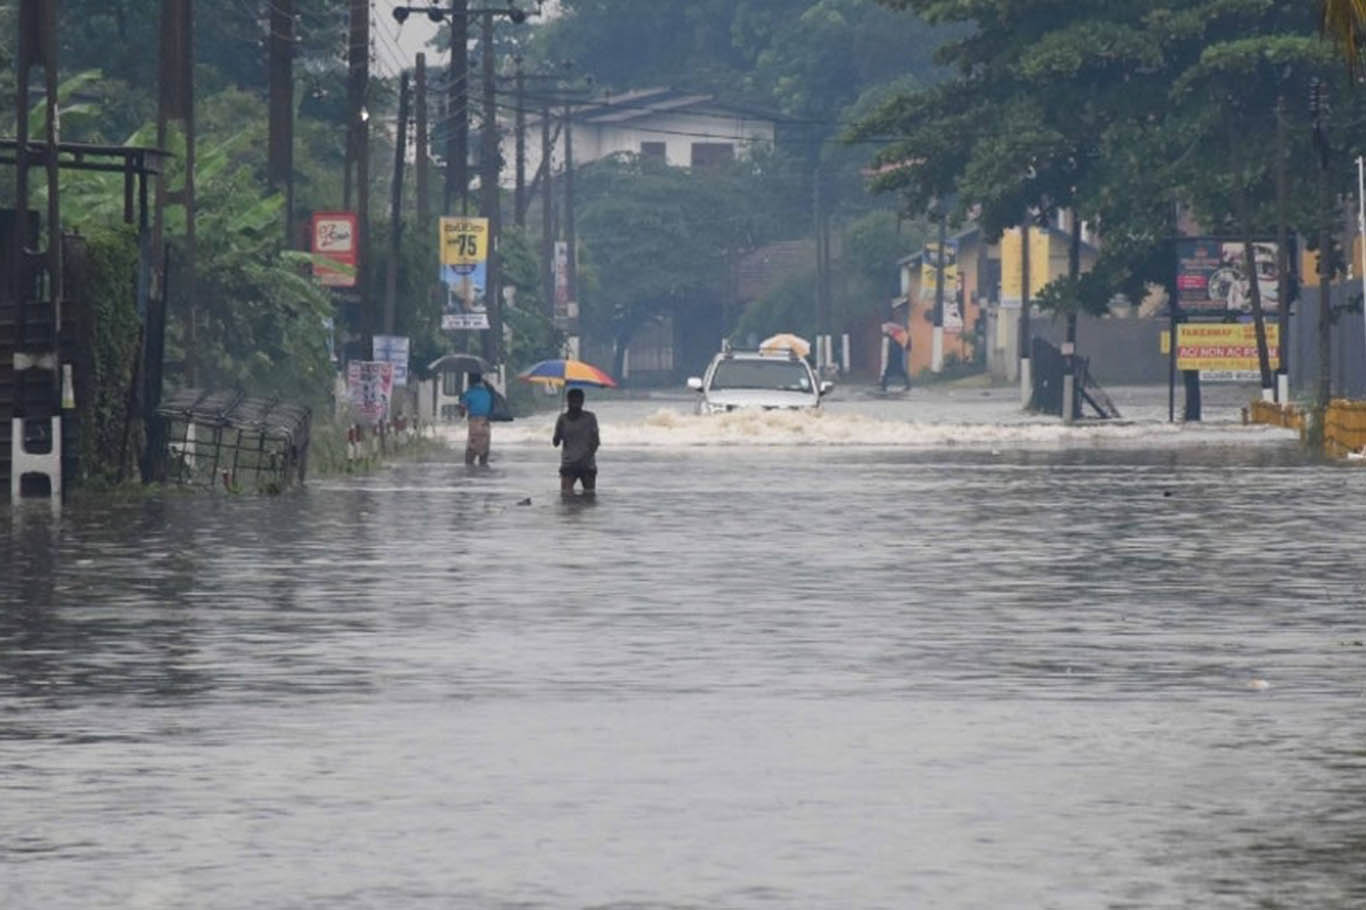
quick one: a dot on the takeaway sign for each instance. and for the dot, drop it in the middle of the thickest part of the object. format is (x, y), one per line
(1221, 347)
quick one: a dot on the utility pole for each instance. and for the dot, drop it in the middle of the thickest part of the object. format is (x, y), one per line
(176, 106)
(35, 408)
(519, 200)
(1282, 251)
(1026, 339)
(1069, 346)
(458, 116)
(492, 209)
(358, 152)
(1325, 231)
(423, 175)
(827, 298)
(280, 168)
(396, 210)
(937, 343)
(571, 242)
(822, 302)
(547, 213)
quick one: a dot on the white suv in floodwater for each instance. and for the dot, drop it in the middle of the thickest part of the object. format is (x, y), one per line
(749, 379)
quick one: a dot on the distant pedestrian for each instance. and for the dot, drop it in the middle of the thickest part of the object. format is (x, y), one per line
(576, 432)
(895, 370)
(477, 405)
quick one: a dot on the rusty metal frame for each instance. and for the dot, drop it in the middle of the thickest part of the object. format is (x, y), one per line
(265, 440)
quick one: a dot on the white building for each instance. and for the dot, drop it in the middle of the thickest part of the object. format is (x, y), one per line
(684, 129)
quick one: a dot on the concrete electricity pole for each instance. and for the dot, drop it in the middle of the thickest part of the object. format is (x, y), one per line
(937, 340)
(280, 168)
(396, 210)
(519, 205)
(1026, 339)
(571, 242)
(458, 113)
(423, 164)
(176, 106)
(1069, 346)
(547, 213)
(1282, 253)
(1325, 231)
(493, 347)
(358, 149)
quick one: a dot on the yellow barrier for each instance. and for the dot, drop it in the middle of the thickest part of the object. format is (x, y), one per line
(1344, 423)
(1344, 427)
(1272, 414)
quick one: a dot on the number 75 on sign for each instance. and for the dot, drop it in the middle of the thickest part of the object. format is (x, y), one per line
(464, 241)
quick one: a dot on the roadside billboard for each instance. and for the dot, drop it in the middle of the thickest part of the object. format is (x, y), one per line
(334, 239)
(393, 349)
(1224, 347)
(370, 386)
(464, 250)
(1211, 276)
(565, 310)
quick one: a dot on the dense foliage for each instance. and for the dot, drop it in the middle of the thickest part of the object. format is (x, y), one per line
(1122, 112)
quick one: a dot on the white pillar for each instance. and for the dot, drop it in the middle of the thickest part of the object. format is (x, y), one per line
(937, 350)
(844, 344)
(1026, 382)
(1283, 388)
(22, 461)
(1069, 380)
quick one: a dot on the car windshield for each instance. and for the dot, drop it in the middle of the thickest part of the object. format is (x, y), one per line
(781, 375)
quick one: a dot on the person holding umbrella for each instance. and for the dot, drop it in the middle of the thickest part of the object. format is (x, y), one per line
(477, 405)
(576, 435)
(576, 429)
(896, 342)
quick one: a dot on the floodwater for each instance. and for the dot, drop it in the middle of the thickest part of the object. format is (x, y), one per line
(920, 652)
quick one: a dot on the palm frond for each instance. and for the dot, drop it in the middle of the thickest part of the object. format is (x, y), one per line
(1344, 23)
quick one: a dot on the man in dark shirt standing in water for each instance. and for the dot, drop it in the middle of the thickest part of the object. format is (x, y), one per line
(577, 429)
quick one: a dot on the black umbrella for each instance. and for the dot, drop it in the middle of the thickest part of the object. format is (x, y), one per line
(459, 363)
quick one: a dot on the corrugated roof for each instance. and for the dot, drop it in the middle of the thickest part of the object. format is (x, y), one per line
(236, 411)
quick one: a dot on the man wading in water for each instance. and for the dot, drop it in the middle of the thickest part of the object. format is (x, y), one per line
(477, 403)
(577, 429)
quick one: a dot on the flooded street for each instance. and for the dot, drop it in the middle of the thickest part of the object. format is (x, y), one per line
(921, 652)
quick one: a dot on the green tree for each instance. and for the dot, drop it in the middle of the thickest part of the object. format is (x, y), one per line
(661, 240)
(1116, 110)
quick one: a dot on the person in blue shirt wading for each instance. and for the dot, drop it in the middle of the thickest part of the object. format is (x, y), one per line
(477, 403)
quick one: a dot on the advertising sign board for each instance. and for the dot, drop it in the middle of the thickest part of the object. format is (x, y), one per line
(1211, 276)
(334, 239)
(393, 349)
(1223, 347)
(464, 248)
(370, 386)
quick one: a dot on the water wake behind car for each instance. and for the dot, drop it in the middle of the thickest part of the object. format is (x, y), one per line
(668, 428)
